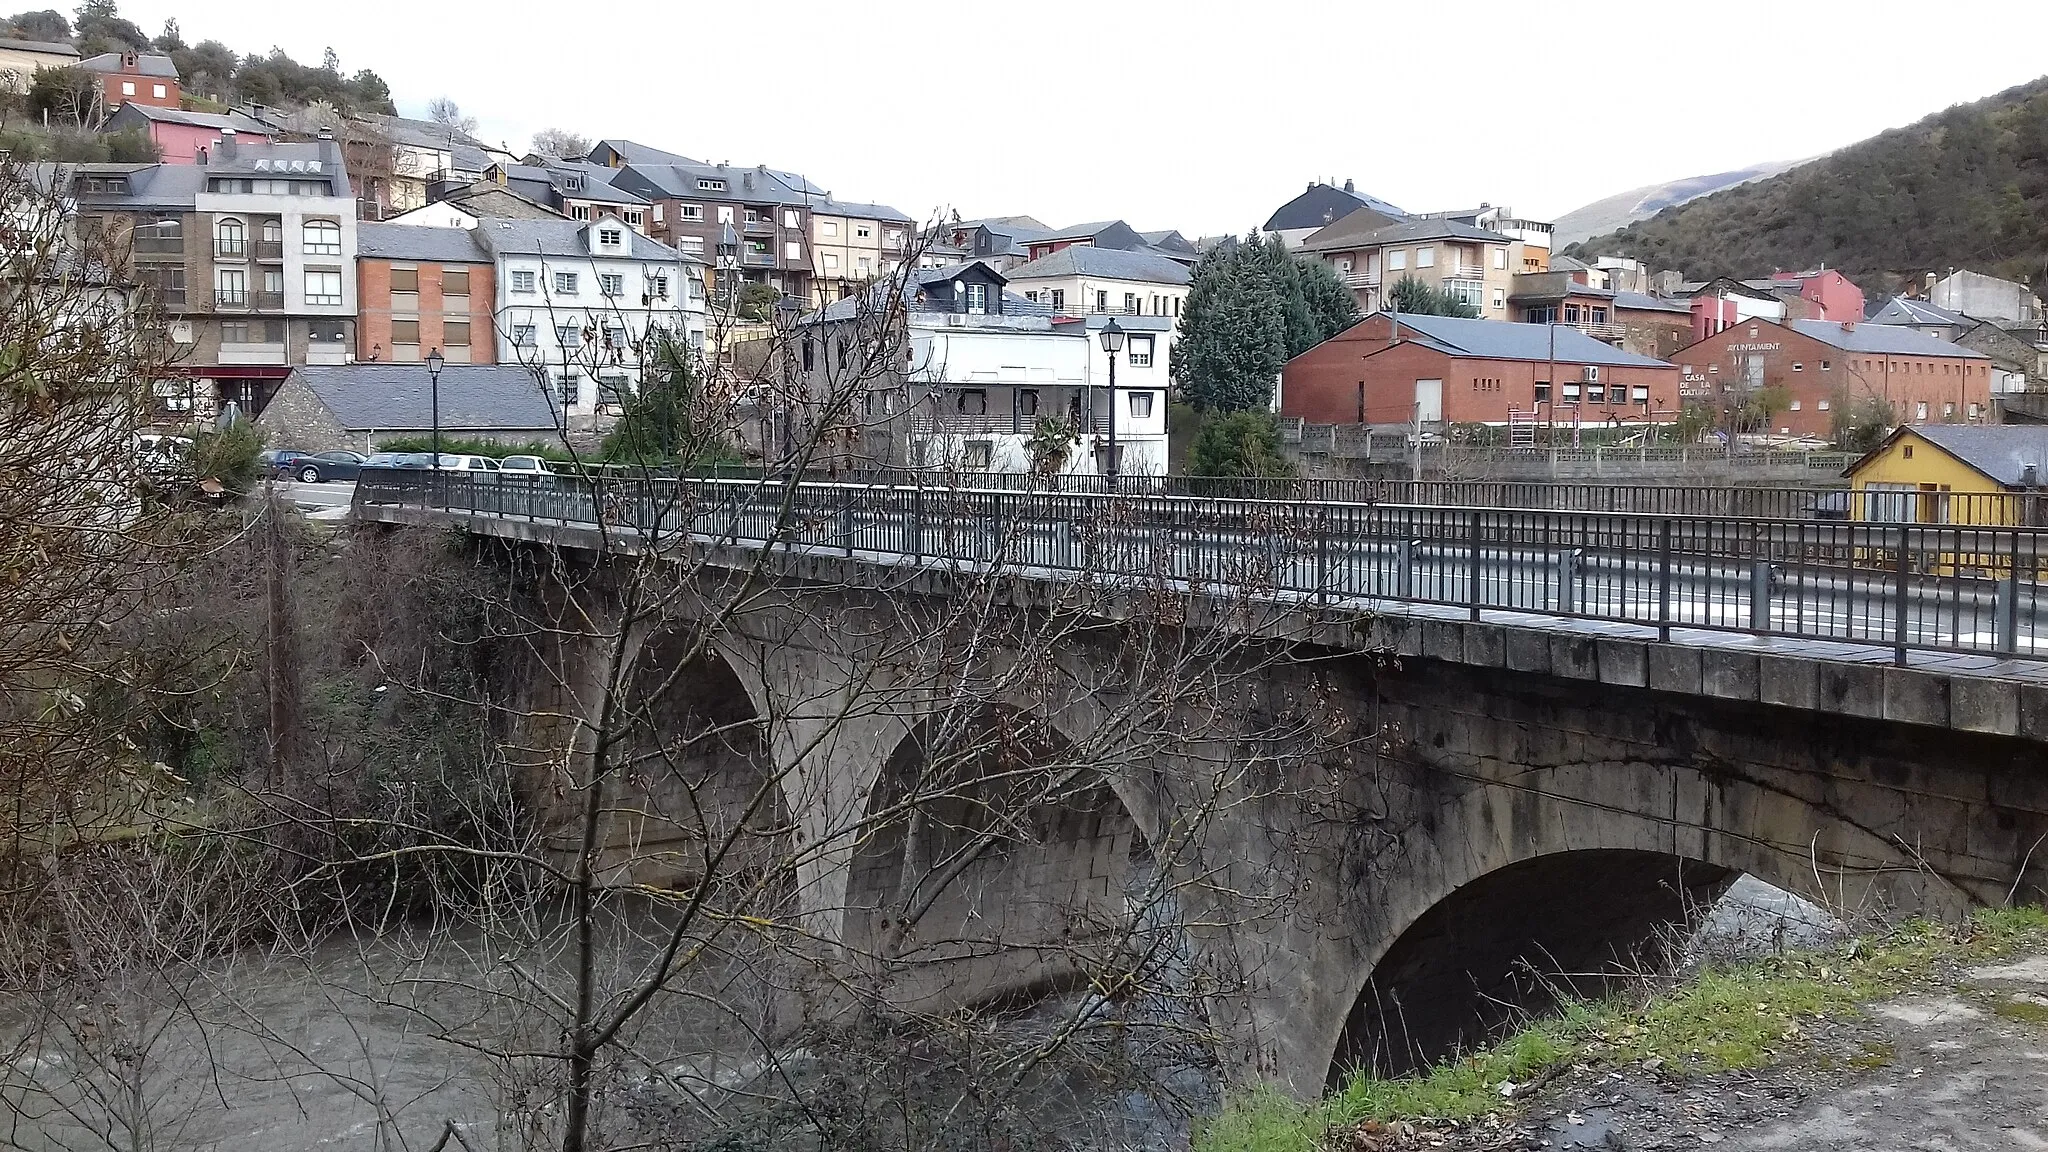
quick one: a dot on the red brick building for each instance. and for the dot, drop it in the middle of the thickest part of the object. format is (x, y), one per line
(135, 78)
(422, 288)
(1821, 365)
(1829, 295)
(1474, 371)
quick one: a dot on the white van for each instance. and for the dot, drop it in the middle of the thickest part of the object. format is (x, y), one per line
(458, 462)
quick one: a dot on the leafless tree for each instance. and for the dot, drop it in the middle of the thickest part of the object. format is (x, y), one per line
(561, 143)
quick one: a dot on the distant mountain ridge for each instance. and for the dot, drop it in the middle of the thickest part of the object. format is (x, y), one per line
(1964, 187)
(1625, 208)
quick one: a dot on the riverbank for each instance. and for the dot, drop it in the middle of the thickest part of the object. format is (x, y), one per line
(1818, 1049)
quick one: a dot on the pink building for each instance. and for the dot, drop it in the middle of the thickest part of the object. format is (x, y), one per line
(1833, 296)
(180, 135)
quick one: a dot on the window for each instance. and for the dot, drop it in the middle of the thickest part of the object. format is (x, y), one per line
(1795, 406)
(1599, 315)
(1976, 410)
(1141, 405)
(1948, 411)
(684, 211)
(690, 243)
(1140, 348)
(1596, 393)
(568, 335)
(863, 231)
(127, 87)
(565, 283)
(1542, 391)
(173, 395)
(611, 284)
(522, 283)
(657, 286)
(231, 287)
(828, 227)
(1920, 410)
(159, 91)
(973, 402)
(1908, 453)
(1798, 367)
(977, 298)
(323, 287)
(568, 388)
(1101, 300)
(234, 332)
(454, 281)
(1500, 298)
(273, 281)
(1826, 366)
(323, 238)
(579, 212)
(1397, 259)
(975, 455)
(710, 185)
(229, 239)
(1027, 402)
(1425, 257)
(405, 331)
(1131, 304)
(832, 261)
(1059, 299)
(1572, 313)
(612, 390)
(1822, 405)
(793, 249)
(455, 334)
(1571, 393)
(1640, 394)
(522, 335)
(405, 279)
(1500, 257)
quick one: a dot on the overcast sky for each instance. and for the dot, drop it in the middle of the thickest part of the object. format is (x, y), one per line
(1201, 116)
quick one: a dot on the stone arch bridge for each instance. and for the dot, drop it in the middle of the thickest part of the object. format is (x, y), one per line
(1514, 791)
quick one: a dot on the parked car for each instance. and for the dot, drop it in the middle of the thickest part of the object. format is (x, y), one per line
(280, 460)
(463, 462)
(324, 466)
(526, 466)
(399, 460)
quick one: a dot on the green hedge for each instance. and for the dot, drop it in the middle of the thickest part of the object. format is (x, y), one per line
(552, 453)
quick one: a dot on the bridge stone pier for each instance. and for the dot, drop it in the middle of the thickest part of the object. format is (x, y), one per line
(1496, 808)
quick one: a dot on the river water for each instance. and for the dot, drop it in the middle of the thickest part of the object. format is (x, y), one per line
(373, 1044)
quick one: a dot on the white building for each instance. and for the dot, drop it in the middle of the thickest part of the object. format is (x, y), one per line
(988, 371)
(1083, 280)
(578, 300)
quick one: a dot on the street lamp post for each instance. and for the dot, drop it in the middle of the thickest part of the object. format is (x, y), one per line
(1112, 343)
(434, 362)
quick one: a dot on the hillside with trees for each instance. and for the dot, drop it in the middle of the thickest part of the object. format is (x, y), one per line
(210, 72)
(1967, 187)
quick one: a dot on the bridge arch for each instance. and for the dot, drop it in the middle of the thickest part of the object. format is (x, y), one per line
(1555, 880)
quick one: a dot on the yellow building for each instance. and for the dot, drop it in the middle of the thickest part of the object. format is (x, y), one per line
(1962, 474)
(19, 60)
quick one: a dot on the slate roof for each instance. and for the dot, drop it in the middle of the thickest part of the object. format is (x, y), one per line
(2000, 451)
(634, 153)
(1644, 302)
(1324, 204)
(419, 242)
(146, 63)
(1115, 264)
(1900, 311)
(1568, 264)
(831, 207)
(1076, 231)
(420, 133)
(1400, 232)
(565, 238)
(474, 397)
(1881, 339)
(758, 185)
(848, 308)
(597, 182)
(1499, 340)
(49, 46)
(213, 120)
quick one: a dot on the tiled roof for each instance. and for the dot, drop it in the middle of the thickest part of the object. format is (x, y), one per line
(1499, 340)
(473, 397)
(1882, 339)
(419, 242)
(1112, 263)
(2000, 451)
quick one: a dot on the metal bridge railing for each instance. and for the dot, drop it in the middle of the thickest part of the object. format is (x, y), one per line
(1951, 588)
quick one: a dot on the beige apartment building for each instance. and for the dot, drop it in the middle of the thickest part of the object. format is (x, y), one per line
(855, 244)
(1372, 254)
(1083, 280)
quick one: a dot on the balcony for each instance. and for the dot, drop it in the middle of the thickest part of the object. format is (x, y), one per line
(1360, 279)
(151, 245)
(270, 251)
(758, 259)
(1463, 272)
(267, 301)
(1599, 329)
(758, 226)
(230, 249)
(228, 301)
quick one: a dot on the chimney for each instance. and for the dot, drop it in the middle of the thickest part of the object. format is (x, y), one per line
(2030, 476)
(1311, 185)
(1348, 187)
(227, 143)
(326, 133)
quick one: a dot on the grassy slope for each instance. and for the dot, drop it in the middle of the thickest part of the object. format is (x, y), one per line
(1964, 187)
(1745, 1016)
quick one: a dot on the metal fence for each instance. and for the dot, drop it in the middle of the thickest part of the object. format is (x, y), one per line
(1936, 587)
